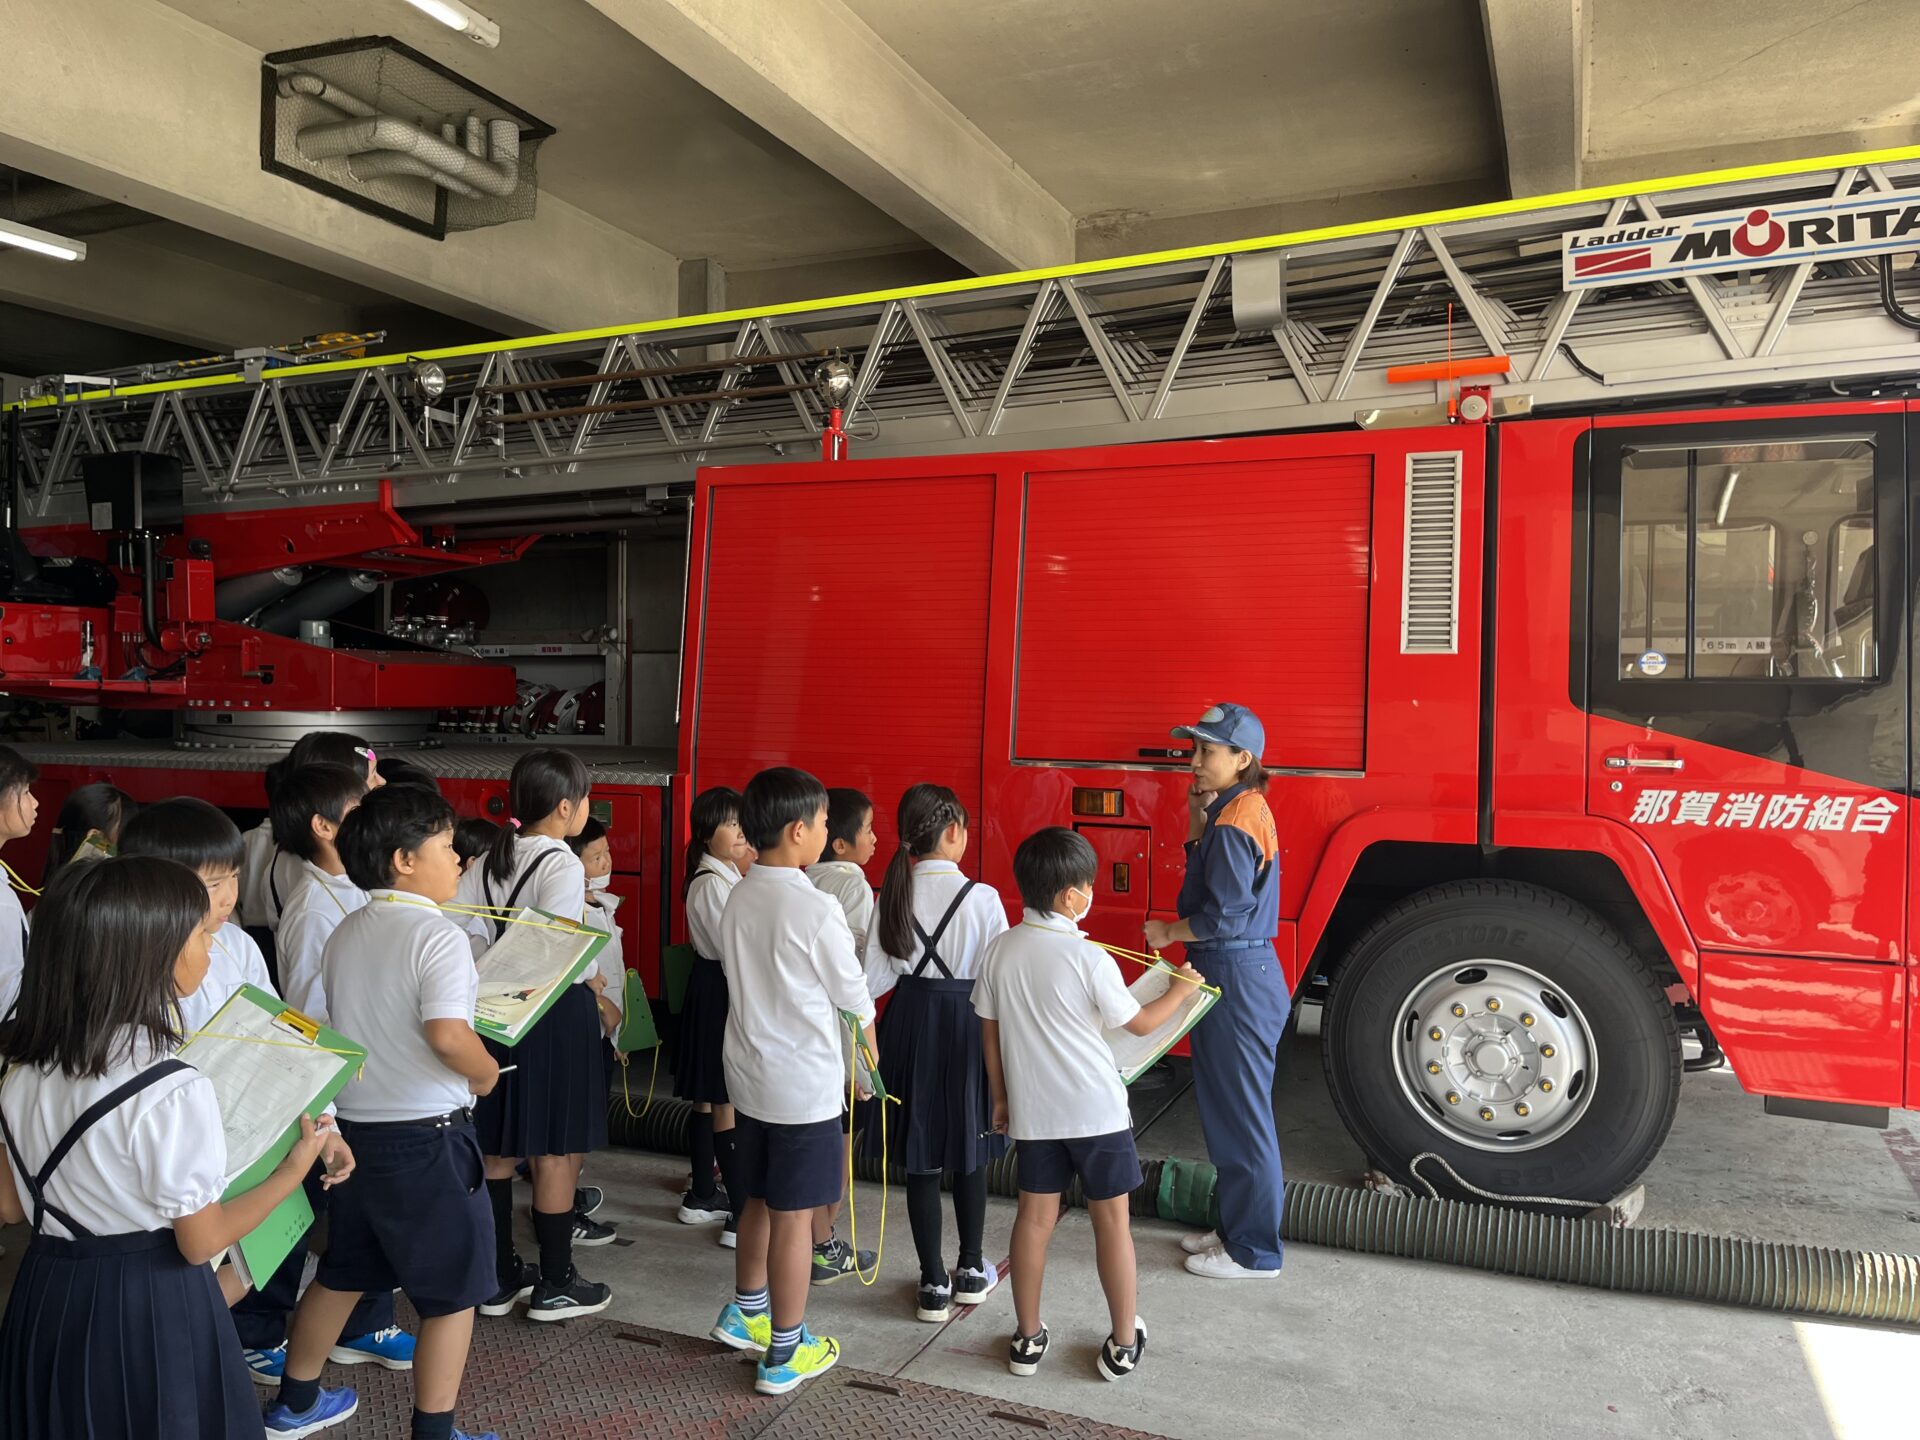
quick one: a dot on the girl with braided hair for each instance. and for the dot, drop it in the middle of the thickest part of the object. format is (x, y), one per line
(934, 925)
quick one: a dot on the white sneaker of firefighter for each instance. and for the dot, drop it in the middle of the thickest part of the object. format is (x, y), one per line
(1219, 1265)
(1200, 1242)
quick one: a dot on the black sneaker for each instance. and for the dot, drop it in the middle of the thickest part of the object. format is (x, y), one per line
(570, 1301)
(934, 1303)
(1025, 1352)
(1119, 1361)
(591, 1232)
(699, 1210)
(512, 1292)
(730, 1233)
(587, 1199)
(834, 1257)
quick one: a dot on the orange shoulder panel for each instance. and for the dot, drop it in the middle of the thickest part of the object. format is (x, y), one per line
(1248, 812)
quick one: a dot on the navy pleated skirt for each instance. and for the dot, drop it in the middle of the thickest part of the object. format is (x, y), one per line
(556, 1102)
(698, 1072)
(930, 1057)
(117, 1337)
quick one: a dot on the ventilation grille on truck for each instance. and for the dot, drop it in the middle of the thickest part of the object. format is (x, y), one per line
(1430, 608)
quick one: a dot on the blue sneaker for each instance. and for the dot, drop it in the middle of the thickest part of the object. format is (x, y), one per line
(459, 1434)
(267, 1366)
(810, 1358)
(742, 1331)
(391, 1349)
(334, 1407)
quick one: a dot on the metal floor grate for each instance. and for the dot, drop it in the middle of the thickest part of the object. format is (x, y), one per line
(588, 1379)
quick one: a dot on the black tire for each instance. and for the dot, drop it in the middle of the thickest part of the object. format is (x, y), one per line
(1635, 1041)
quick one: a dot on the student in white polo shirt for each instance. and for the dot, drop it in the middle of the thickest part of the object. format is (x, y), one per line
(791, 970)
(1044, 996)
(400, 980)
(269, 875)
(309, 807)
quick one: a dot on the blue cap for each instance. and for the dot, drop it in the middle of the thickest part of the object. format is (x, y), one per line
(1233, 725)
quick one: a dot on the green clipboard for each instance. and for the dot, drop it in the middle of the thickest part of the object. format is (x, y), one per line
(676, 968)
(511, 1034)
(1134, 1055)
(863, 1055)
(250, 1009)
(637, 1031)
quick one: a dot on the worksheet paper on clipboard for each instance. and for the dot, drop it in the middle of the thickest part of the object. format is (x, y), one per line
(266, 1073)
(268, 1065)
(1134, 1055)
(527, 968)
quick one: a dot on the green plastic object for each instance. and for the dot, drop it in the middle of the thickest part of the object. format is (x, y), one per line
(637, 1030)
(1189, 1193)
(676, 968)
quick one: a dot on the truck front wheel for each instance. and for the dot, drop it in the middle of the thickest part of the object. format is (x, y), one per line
(1508, 1031)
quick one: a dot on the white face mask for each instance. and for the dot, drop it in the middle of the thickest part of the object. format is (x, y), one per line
(598, 882)
(1077, 919)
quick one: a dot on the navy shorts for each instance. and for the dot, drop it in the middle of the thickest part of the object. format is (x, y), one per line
(1108, 1165)
(791, 1167)
(413, 1216)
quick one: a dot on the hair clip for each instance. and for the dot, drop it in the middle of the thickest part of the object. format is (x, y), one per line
(365, 752)
(514, 823)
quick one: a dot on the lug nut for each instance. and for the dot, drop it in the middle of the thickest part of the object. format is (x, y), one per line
(1485, 1114)
(1547, 1051)
(1458, 1010)
(1453, 1097)
(1526, 1022)
(1523, 1110)
(1493, 1004)
(1433, 1067)
(1546, 1085)
(1434, 1034)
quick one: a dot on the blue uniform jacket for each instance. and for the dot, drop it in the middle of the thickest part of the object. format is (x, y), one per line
(1232, 887)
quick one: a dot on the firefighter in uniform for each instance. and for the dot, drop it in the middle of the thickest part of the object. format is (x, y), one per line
(1229, 914)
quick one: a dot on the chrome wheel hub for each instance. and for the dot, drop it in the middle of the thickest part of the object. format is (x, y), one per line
(1493, 1055)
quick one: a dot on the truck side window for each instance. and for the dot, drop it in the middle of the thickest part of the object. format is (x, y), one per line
(1725, 560)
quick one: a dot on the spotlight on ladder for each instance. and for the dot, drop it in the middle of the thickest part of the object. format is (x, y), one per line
(833, 383)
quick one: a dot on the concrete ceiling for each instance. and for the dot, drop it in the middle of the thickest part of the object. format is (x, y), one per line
(1145, 108)
(639, 145)
(1736, 82)
(741, 152)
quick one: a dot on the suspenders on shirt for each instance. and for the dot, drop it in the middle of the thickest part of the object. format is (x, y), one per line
(929, 944)
(36, 1181)
(486, 888)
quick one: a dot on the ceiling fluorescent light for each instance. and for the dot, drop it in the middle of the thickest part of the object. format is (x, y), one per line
(464, 18)
(41, 242)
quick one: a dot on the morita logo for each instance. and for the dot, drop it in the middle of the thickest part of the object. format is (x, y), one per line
(1742, 240)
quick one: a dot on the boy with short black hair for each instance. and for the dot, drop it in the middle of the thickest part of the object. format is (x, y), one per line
(791, 969)
(1044, 996)
(308, 809)
(400, 980)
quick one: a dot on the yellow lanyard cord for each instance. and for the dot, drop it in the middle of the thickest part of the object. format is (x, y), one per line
(14, 879)
(853, 1209)
(264, 1040)
(485, 912)
(627, 1095)
(1151, 962)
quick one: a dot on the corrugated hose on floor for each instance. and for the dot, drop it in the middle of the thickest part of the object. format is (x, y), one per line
(1806, 1280)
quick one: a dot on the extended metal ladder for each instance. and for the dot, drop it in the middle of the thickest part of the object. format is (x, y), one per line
(1283, 333)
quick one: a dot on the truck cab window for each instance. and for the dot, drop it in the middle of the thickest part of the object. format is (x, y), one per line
(1748, 562)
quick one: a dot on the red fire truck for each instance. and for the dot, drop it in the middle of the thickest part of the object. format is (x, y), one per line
(1584, 662)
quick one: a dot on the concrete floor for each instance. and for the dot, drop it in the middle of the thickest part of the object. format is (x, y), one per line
(1347, 1344)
